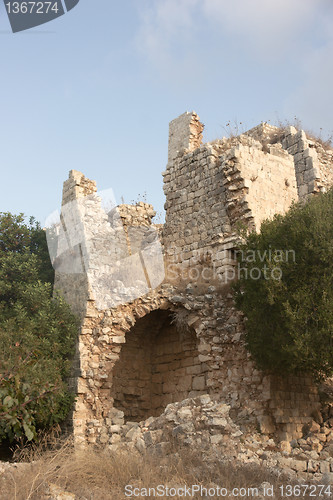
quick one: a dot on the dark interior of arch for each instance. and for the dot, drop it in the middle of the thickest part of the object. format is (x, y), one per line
(158, 365)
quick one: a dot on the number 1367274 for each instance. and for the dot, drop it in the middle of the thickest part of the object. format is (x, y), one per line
(32, 7)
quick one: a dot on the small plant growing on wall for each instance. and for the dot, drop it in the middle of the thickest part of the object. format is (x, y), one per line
(180, 320)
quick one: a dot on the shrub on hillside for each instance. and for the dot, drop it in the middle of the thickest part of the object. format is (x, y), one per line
(286, 289)
(18, 236)
(37, 333)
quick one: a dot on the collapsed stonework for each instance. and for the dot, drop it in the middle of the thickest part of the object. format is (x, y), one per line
(182, 337)
(207, 425)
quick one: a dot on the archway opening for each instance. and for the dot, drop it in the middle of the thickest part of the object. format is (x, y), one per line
(158, 365)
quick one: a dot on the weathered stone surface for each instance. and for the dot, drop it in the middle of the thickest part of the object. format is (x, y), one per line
(206, 422)
(183, 338)
(57, 493)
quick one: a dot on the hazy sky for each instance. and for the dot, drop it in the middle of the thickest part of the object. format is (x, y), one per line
(95, 89)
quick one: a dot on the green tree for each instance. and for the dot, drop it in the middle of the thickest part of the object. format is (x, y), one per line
(37, 335)
(17, 236)
(286, 289)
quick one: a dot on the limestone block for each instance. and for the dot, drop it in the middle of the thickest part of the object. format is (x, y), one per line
(324, 467)
(204, 348)
(184, 383)
(298, 465)
(199, 383)
(216, 438)
(118, 339)
(193, 370)
(267, 425)
(203, 358)
(219, 422)
(285, 446)
(309, 175)
(303, 191)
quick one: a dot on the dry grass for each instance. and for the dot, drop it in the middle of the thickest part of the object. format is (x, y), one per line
(233, 129)
(324, 139)
(102, 475)
(180, 320)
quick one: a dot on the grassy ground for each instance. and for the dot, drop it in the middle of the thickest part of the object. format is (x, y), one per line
(101, 475)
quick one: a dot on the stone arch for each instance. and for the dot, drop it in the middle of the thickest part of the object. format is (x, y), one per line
(158, 364)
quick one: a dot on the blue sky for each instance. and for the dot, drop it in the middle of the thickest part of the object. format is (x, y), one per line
(95, 89)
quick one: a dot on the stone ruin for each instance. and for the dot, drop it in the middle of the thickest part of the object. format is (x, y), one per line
(181, 336)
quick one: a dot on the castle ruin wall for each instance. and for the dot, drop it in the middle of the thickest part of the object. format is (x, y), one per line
(183, 337)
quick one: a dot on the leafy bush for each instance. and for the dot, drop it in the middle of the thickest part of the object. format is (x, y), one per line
(286, 289)
(17, 236)
(37, 333)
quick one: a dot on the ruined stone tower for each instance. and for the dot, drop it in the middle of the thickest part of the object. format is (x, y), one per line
(171, 331)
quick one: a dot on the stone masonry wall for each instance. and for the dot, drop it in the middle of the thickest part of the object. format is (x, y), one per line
(212, 189)
(258, 185)
(306, 161)
(142, 346)
(77, 186)
(185, 134)
(313, 160)
(291, 397)
(158, 365)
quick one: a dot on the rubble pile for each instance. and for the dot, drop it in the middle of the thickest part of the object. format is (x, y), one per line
(205, 424)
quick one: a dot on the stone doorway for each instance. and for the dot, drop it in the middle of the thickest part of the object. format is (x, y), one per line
(158, 365)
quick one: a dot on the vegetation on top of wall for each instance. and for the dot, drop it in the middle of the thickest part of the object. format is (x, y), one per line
(286, 290)
(37, 333)
(323, 137)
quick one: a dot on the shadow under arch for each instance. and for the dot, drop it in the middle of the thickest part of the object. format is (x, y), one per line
(158, 364)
